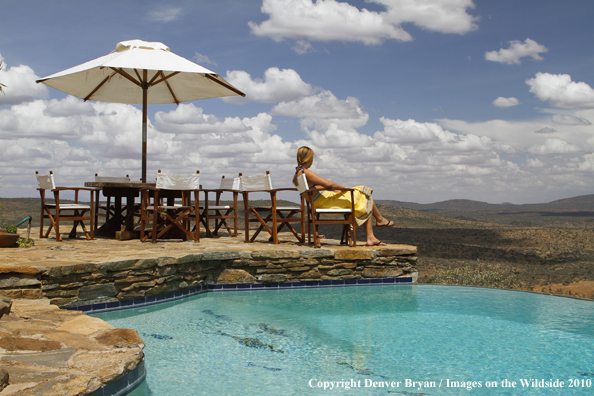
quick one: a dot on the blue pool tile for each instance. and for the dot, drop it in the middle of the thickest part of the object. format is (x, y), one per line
(389, 280)
(375, 281)
(98, 306)
(169, 295)
(338, 282)
(244, 286)
(362, 281)
(325, 283)
(138, 301)
(126, 303)
(350, 282)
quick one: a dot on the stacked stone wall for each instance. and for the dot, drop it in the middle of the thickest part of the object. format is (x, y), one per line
(136, 278)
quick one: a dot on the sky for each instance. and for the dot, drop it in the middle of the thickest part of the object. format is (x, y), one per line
(421, 100)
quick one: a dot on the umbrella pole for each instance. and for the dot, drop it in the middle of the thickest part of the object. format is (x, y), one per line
(144, 122)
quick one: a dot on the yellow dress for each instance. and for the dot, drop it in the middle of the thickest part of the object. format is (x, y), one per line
(342, 200)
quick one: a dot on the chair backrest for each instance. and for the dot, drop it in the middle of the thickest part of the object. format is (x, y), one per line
(111, 179)
(256, 183)
(178, 182)
(302, 183)
(45, 182)
(230, 184)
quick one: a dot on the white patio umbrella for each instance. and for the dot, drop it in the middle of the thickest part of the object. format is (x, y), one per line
(141, 72)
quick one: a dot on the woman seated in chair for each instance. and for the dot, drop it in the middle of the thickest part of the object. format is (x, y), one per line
(364, 206)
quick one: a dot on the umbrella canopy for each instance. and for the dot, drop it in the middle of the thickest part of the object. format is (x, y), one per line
(141, 72)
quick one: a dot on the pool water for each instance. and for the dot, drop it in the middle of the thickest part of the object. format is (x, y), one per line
(401, 340)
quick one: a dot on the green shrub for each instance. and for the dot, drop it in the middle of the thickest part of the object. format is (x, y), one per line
(25, 242)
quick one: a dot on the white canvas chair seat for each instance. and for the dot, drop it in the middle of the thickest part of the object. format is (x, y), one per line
(76, 212)
(163, 217)
(219, 214)
(314, 218)
(70, 206)
(286, 208)
(279, 217)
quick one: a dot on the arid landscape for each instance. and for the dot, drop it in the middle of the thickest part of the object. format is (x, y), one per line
(539, 247)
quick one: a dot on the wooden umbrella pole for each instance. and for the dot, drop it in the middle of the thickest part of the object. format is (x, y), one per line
(144, 121)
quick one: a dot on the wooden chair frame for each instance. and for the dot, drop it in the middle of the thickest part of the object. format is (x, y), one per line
(279, 216)
(53, 212)
(221, 213)
(158, 208)
(314, 219)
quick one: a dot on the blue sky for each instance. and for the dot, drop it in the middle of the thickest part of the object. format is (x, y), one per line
(423, 101)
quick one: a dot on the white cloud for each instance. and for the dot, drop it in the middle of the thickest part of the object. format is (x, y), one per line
(20, 85)
(564, 119)
(165, 14)
(302, 47)
(505, 102)
(67, 107)
(333, 137)
(324, 110)
(516, 51)
(203, 59)
(553, 146)
(560, 91)
(443, 16)
(331, 20)
(277, 86)
(546, 130)
(188, 121)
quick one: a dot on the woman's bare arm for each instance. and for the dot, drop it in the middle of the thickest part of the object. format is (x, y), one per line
(312, 179)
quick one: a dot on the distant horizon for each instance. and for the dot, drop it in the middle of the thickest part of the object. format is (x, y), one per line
(421, 101)
(381, 199)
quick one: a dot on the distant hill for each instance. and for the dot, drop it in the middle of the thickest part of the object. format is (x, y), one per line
(582, 202)
(563, 212)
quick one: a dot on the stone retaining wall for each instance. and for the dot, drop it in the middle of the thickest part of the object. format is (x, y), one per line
(78, 284)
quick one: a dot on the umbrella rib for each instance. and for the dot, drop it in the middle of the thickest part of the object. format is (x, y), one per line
(98, 87)
(171, 92)
(137, 74)
(163, 79)
(212, 78)
(152, 82)
(129, 77)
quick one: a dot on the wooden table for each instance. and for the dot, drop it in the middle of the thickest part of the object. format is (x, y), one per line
(118, 191)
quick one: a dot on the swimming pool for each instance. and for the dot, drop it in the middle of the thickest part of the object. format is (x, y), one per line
(408, 340)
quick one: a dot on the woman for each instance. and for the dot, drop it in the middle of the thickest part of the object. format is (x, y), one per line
(364, 206)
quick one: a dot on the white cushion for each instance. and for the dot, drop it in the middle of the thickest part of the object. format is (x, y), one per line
(333, 211)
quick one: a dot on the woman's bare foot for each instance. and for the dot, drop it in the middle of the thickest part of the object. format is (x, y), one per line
(384, 223)
(375, 242)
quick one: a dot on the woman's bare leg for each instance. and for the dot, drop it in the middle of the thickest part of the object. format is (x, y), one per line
(371, 239)
(379, 219)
